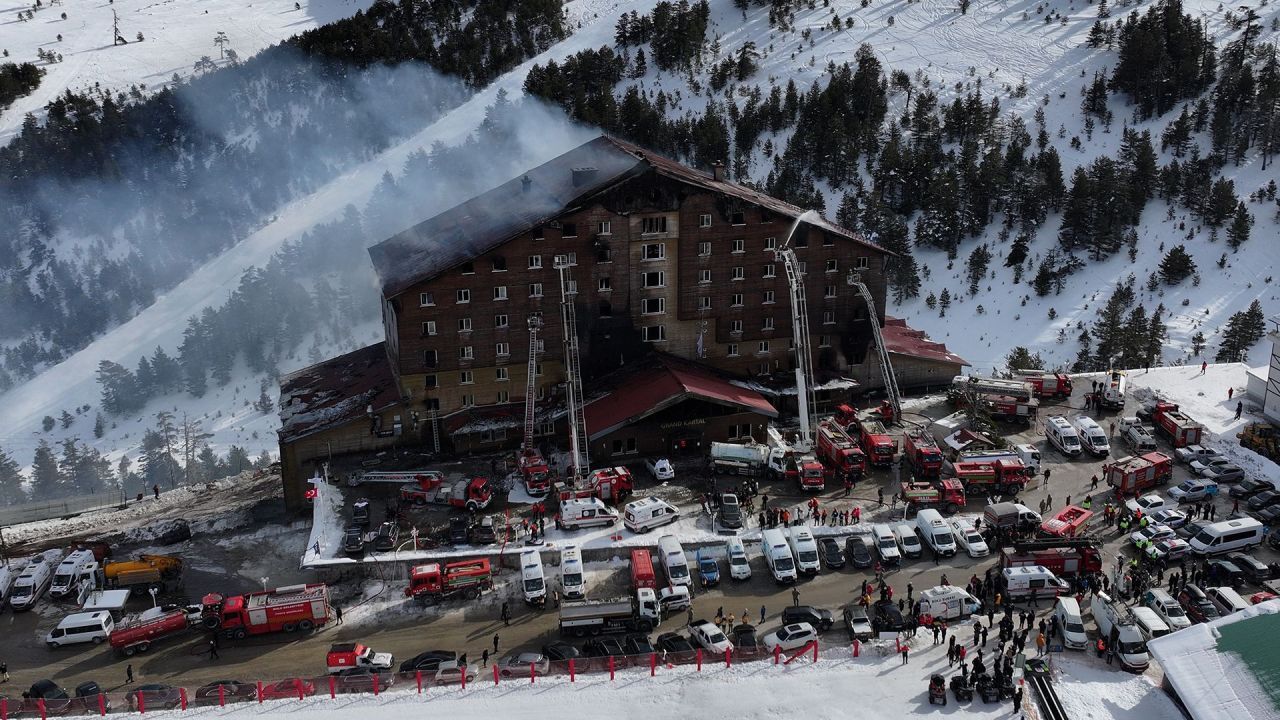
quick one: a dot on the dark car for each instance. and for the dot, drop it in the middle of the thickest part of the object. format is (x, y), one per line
(857, 622)
(603, 647)
(56, 700)
(429, 660)
(1197, 604)
(232, 691)
(353, 541)
(885, 617)
(87, 694)
(745, 642)
(1249, 488)
(730, 511)
(819, 618)
(1263, 499)
(153, 696)
(561, 651)
(483, 533)
(1191, 529)
(1224, 572)
(360, 512)
(675, 646)
(362, 680)
(832, 557)
(1255, 571)
(858, 552)
(1269, 514)
(459, 530)
(637, 645)
(387, 538)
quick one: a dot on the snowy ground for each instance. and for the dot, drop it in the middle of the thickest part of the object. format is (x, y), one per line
(1090, 691)
(176, 33)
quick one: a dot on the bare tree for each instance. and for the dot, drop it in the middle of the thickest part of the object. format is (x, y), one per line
(193, 439)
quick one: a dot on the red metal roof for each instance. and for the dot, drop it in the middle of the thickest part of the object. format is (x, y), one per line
(336, 391)
(903, 340)
(658, 383)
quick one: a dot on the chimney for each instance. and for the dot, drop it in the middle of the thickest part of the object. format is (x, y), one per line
(717, 171)
(525, 182)
(583, 175)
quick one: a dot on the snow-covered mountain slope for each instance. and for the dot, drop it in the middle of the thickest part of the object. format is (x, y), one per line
(72, 383)
(176, 33)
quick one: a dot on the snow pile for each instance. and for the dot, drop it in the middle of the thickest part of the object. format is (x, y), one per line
(1090, 691)
(326, 525)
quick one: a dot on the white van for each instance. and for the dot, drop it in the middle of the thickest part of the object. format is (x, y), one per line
(1227, 535)
(1167, 608)
(1226, 600)
(532, 580)
(1149, 623)
(674, 564)
(739, 563)
(908, 542)
(29, 586)
(1061, 435)
(948, 602)
(886, 544)
(585, 512)
(79, 565)
(1029, 456)
(8, 576)
(1070, 623)
(936, 533)
(573, 582)
(1114, 625)
(804, 548)
(1092, 436)
(94, 627)
(777, 555)
(641, 516)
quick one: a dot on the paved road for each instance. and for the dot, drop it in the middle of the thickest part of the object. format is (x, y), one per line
(471, 629)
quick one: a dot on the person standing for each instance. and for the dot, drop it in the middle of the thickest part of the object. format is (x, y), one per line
(1239, 409)
(761, 614)
(4, 672)
(213, 649)
(1046, 477)
(905, 649)
(484, 658)
(156, 489)
(795, 597)
(495, 644)
(1017, 699)
(505, 614)
(128, 673)
(337, 610)
(1204, 366)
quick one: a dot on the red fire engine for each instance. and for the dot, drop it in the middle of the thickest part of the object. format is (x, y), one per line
(432, 488)
(138, 634)
(1131, 475)
(922, 454)
(839, 451)
(877, 443)
(1063, 558)
(433, 582)
(534, 472)
(1002, 476)
(1068, 522)
(286, 609)
(1175, 425)
(1047, 384)
(947, 495)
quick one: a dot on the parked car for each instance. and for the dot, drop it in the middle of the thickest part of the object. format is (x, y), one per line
(362, 679)
(429, 660)
(820, 618)
(1152, 533)
(1250, 487)
(232, 691)
(1201, 466)
(790, 637)
(1255, 571)
(1192, 528)
(745, 642)
(857, 623)
(1269, 514)
(1263, 499)
(387, 538)
(858, 550)
(1149, 503)
(519, 664)
(1225, 474)
(1223, 572)
(1198, 606)
(709, 637)
(708, 568)
(675, 646)
(1168, 550)
(87, 697)
(1192, 490)
(603, 647)
(885, 617)
(483, 532)
(153, 696)
(1191, 453)
(1173, 518)
(969, 539)
(730, 512)
(353, 541)
(561, 651)
(288, 688)
(637, 644)
(450, 671)
(831, 554)
(660, 468)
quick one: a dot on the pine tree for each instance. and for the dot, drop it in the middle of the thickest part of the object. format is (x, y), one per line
(944, 302)
(1243, 330)
(1156, 335)
(1044, 279)
(1177, 265)
(119, 388)
(45, 480)
(66, 419)
(99, 426)
(11, 492)
(1197, 343)
(1018, 250)
(48, 422)
(976, 267)
(1238, 231)
(238, 460)
(1109, 330)
(1134, 343)
(1020, 358)
(165, 372)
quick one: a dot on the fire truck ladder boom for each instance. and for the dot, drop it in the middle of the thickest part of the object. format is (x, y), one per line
(800, 333)
(886, 367)
(573, 371)
(531, 383)
(1033, 545)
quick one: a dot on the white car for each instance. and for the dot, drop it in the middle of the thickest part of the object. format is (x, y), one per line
(1152, 533)
(969, 539)
(1168, 550)
(660, 468)
(709, 637)
(790, 637)
(519, 664)
(1192, 453)
(1149, 503)
(1201, 467)
(1193, 490)
(1173, 518)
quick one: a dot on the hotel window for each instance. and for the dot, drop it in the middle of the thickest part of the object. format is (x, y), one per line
(735, 326)
(653, 306)
(430, 381)
(654, 279)
(769, 297)
(426, 299)
(828, 239)
(824, 341)
(704, 303)
(828, 317)
(738, 273)
(570, 258)
(801, 238)
(499, 264)
(735, 300)
(738, 218)
(535, 262)
(605, 228)
(429, 358)
(733, 349)
(831, 265)
(769, 271)
(501, 374)
(767, 324)
(464, 324)
(535, 289)
(504, 396)
(655, 251)
(466, 352)
(604, 255)
(464, 296)
(829, 291)
(739, 245)
(429, 328)
(466, 377)
(503, 349)
(704, 276)
(771, 243)
(704, 248)
(500, 321)
(704, 220)
(468, 268)
(861, 263)
(605, 284)
(499, 292)
(763, 347)
(624, 447)
(653, 225)
(468, 400)
(569, 230)
(606, 309)
(655, 333)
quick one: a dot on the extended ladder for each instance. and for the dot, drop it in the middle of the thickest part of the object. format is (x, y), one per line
(531, 383)
(886, 367)
(573, 372)
(805, 395)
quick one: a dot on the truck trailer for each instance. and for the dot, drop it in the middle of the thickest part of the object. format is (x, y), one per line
(593, 617)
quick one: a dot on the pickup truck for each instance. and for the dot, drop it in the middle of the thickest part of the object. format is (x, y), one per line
(345, 656)
(1195, 452)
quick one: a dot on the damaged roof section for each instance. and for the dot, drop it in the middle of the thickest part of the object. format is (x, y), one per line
(901, 339)
(336, 392)
(559, 186)
(658, 382)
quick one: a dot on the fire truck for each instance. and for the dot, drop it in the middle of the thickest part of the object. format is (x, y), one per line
(839, 451)
(434, 489)
(435, 582)
(877, 443)
(1174, 424)
(534, 472)
(1047, 384)
(136, 635)
(1070, 521)
(612, 484)
(947, 495)
(1131, 475)
(285, 609)
(1062, 557)
(922, 454)
(1011, 409)
(1001, 476)
(1014, 389)
(789, 463)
